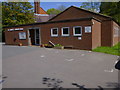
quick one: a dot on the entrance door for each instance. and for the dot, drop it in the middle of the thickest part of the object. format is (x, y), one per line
(34, 36)
(37, 37)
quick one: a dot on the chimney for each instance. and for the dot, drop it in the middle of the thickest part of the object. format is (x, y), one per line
(36, 6)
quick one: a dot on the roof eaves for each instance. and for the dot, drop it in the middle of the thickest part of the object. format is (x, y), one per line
(96, 19)
(25, 25)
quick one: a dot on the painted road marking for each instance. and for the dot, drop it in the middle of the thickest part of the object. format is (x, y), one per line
(69, 59)
(89, 51)
(42, 56)
(109, 70)
(82, 54)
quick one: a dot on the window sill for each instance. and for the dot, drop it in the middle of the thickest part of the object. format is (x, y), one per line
(54, 36)
(65, 35)
(77, 35)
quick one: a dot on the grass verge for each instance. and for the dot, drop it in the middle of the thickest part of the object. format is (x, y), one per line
(114, 50)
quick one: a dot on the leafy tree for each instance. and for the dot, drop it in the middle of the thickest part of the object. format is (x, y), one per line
(15, 13)
(91, 6)
(112, 9)
(53, 11)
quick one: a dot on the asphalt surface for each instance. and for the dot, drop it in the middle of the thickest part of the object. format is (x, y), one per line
(25, 67)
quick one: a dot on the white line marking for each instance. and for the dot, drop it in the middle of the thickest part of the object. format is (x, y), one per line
(69, 59)
(82, 54)
(89, 51)
(42, 56)
(109, 70)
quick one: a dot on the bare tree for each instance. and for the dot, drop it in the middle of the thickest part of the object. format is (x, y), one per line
(61, 8)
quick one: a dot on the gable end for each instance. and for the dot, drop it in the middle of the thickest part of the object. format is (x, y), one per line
(73, 13)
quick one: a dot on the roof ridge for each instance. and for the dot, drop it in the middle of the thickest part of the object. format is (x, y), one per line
(59, 13)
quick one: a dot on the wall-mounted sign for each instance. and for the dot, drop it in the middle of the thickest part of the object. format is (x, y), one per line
(22, 35)
(10, 29)
(88, 29)
(16, 29)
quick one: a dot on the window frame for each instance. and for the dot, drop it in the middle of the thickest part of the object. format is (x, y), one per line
(65, 34)
(74, 31)
(54, 35)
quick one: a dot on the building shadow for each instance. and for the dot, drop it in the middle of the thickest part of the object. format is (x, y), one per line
(112, 84)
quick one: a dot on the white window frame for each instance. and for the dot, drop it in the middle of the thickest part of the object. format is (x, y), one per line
(20, 28)
(65, 34)
(74, 31)
(17, 29)
(54, 35)
(88, 27)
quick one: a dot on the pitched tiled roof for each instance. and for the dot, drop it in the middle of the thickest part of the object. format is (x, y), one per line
(82, 10)
(42, 11)
(99, 14)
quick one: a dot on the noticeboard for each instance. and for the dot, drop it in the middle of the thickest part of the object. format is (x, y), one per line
(22, 35)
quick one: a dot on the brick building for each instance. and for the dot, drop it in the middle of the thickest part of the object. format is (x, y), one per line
(75, 27)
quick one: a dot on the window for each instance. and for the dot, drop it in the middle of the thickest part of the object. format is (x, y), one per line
(22, 35)
(88, 29)
(65, 31)
(77, 31)
(54, 32)
(116, 31)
